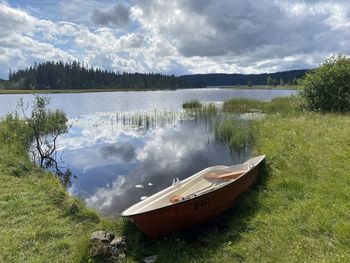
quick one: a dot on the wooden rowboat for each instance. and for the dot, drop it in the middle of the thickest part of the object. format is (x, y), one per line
(194, 200)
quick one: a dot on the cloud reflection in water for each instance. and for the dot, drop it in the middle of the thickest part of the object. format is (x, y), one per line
(124, 151)
(109, 159)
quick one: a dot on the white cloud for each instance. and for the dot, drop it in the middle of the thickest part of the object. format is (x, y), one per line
(105, 41)
(19, 43)
(176, 36)
(105, 198)
(236, 36)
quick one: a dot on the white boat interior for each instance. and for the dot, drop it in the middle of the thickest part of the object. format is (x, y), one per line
(200, 183)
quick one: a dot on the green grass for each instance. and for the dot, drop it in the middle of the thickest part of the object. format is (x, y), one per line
(282, 105)
(192, 104)
(242, 105)
(205, 111)
(235, 133)
(39, 221)
(304, 208)
(209, 110)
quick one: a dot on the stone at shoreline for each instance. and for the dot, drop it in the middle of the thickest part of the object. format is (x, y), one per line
(107, 247)
(118, 242)
(102, 236)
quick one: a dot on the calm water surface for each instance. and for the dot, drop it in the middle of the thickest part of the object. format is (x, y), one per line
(76, 104)
(120, 156)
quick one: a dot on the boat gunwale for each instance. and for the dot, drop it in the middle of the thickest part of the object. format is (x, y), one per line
(262, 157)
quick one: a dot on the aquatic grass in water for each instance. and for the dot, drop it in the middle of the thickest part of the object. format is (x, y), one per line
(146, 120)
(207, 110)
(192, 104)
(282, 105)
(235, 133)
(242, 105)
(132, 120)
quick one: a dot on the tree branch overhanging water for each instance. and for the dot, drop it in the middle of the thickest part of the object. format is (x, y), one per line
(45, 127)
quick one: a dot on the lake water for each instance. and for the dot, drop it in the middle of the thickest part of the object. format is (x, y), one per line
(77, 104)
(124, 146)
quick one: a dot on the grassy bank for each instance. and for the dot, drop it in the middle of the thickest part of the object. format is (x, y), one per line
(304, 208)
(39, 221)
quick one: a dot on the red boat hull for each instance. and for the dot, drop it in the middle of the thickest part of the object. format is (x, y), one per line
(194, 211)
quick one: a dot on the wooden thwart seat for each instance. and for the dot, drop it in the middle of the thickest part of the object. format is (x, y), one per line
(226, 176)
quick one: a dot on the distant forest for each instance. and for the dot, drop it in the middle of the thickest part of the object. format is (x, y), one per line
(289, 78)
(75, 75)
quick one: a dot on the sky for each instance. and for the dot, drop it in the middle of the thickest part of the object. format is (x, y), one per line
(174, 37)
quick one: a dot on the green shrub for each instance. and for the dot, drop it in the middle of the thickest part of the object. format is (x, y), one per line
(327, 88)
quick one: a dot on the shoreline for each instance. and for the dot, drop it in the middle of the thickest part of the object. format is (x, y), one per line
(53, 91)
(258, 87)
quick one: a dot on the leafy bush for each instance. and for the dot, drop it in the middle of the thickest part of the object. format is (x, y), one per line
(46, 126)
(36, 134)
(327, 88)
